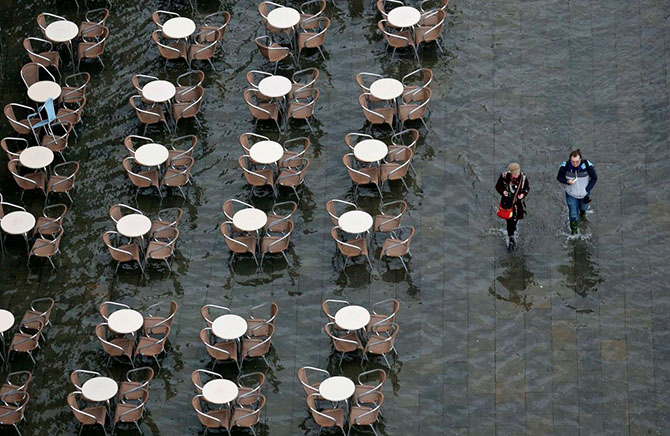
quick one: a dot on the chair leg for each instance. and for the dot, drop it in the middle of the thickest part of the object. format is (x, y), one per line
(16, 427)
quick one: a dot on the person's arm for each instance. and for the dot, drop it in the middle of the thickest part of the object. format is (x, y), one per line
(500, 185)
(525, 189)
(561, 174)
(594, 177)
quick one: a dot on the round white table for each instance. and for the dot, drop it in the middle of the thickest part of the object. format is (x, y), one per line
(220, 391)
(337, 388)
(386, 89)
(370, 150)
(44, 90)
(125, 321)
(99, 389)
(36, 157)
(229, 327)
(249, 219)
(266, 152)
(352, 317)
(151, 155)
(17, 223)
(178, 27)
(274, 86)
(158, 91)
(6, 320)
(133, 225)
(62, 31)
(404, 16)
(355, 221)
(283, 18)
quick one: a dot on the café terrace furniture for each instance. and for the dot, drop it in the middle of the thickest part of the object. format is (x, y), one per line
(260, 109)
(87, 415)
(303, 107)
(41, 51)
(344, 342)
(326, 417)
(168, 48)
(303, 82)
(94, 22)
(381, 345)
(309, 11)
(385, 6)
(312, 34)
(136, 380)
(386, 222)
(427, 33)
(272, 51)
(122, 252)
(305, 373)
(46, 247)
(397, 246)
(128, 412)
(395, 168)
(361, 175)
(276, 241)
(397, 38)
(213, 419)
(94, 47)
(366, 410)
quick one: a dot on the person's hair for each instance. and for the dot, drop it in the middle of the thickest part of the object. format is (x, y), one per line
(575, 153)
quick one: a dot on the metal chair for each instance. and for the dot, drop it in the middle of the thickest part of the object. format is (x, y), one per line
(325, 308)
(217, 21)
(16, 383)
(395, 169)
(361, 176)
(310, 11)
(45, 18)
(264, 8)
(276, 242)
(136, 380)
(415, 82)
(138, 81)
(366, 411)
(17, 116)
(303, 81)
(46, 247)
(205, 47)
(386, 222)
(131, 413)
(229, 209)
(51, 220)
(56, 138)
(260, 110)
(92, 415)
(303, 108)
(74, 90)
(332, 211)
(254, 77)
(381, 345)
(343, 342)
(249, 386)
(248, 416)
(325, 417)
(117, 211)
(158, 17)
(311, 387)
(426, 33)
(381, 322)
(42, 52)
(187, 85)
(397, 38)
(152, 344)
(273, 51)
(280, 215)
(398, 246)
(168, 218)
(198, 375)
(313, 35)
(105, 306)
(292, 174)
(169, 49)
(383, 4)
(205, 312)
(141, 179)
(416, 108)
(258, 177)
(62, 182)
(351, 139)
(427, 7)
(178, 175)
(405, 138)
(32, 71)
(94, 22)
(17, 146)
(153, 321)
(80, 376)
(189, 109)
(27, 181)
(26, 340)
(350, 248)
(219, 351)
(248, 139)
(122, 253)
(92, 49)
(364, 387)
(162, 248)
(257, 346)
(211, 419)
(133, 142)
(376, 115)
(72, 115)
(148, 115)
(238, 244)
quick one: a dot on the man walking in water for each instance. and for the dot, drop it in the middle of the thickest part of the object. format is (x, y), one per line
(579, 177)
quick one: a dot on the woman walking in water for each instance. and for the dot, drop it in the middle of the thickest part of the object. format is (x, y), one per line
(513, 186)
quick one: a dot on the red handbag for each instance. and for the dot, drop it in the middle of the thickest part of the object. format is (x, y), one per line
(505, 213)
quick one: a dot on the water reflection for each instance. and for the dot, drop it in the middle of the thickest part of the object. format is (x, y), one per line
(513, 282)
(581, 274)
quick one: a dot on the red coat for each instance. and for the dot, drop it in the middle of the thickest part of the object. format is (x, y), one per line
(503, 184)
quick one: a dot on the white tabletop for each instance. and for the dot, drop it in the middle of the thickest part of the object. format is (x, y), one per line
(274, 86)
(266, 152)
(6, 320)
(336, 388)
(125, 321)
(133, 225)
(158, 91)
(151, 154)
(36, 157)
(229, 326)
(178, 27)
(370, 150)
(250, 219)
(283, 18)
(404, 16)
(355, 221)
(62, 31)
(386, 89)
(17, 223)
(44, 90)
(220, 391)
(99, 388)
(352, 317)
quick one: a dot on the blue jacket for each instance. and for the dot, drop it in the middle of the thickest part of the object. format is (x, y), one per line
(585, 176)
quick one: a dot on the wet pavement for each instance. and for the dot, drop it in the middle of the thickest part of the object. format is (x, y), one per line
(563, 336)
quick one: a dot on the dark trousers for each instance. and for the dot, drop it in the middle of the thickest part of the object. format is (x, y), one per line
(511, 226)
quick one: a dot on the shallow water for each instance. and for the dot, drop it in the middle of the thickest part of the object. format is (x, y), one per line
(564, 335)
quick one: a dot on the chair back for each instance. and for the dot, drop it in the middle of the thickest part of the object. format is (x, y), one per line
(229, 207)
(159, 16)
(253, 178)
(137, 179)
(82, 416)
(42, 52)
(190, 109)
(272, 51)
(359, 177)
(219, 21)
(31, 72)
(20, 125)
(27, 182)
(233, 244)
(117, 253)
(394, 39)
(433, 32)
(322, 419)
(198, 375)
(258, 112)
(168, 50)
(316, 39)
(150, 115)
(205, 312)
(94, 49)
(18, 145)
(77, 375)
(135, 414)
(374, 117)
(332, 211)
(307, 385)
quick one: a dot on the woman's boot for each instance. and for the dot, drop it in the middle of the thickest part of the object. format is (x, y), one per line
(574, 227)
